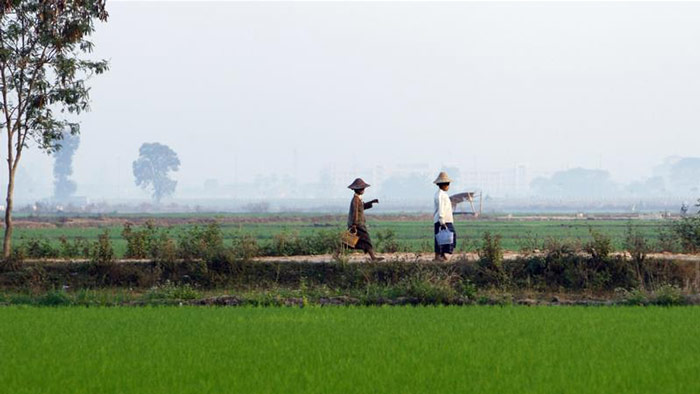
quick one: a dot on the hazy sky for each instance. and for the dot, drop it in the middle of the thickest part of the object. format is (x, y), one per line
(241, 89)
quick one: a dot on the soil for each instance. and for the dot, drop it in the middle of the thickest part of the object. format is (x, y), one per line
(358, 257)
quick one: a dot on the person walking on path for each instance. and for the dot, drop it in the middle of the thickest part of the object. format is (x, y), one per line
(356, 218)
(442, 217)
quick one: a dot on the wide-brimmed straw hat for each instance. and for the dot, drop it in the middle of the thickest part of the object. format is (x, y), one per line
(358, 184)
(442, 178)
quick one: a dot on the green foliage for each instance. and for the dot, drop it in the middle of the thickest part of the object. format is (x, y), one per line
(38, 248)
(78, 247)
(149, 241)
(102, 251)
(376, 293)
(665, 295)
(54, 298)
(102, 297)
(286, 244)
(411, 235)
(491, 261)
(325, 242)
(558, 248)
(667, 241)
(428, 287)
(386, 241)
(466, 288)
(42, 44)
(668, 295)
(170, 291)
(636, 244)
(137, 241)
(44, 73)
(529, 243)
(201, 242)
(50, 298)
(638, 247)
(164, 248)
(687, 230)
(632, 297)
(21, 299)
(490, 251)
(245, 247)
(82, 297)
(562, 266)
(599, 247)
(291, 243)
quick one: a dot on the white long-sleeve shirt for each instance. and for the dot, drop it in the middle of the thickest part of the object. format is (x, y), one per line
(443, 208)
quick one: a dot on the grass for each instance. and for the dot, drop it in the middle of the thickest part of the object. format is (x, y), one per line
(413, 235)
(349, 350)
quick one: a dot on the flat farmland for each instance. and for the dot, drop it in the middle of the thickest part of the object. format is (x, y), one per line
(350, 350)
(412, 233)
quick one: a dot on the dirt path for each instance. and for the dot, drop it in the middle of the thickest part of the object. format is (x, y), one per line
(358, 257)
(427, 257)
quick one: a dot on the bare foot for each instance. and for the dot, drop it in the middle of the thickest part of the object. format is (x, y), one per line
(373, 256)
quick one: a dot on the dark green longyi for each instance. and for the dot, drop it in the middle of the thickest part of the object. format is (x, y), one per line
(350, 350)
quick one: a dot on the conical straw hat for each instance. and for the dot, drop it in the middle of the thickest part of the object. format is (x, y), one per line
(442, 178)
(358, 184)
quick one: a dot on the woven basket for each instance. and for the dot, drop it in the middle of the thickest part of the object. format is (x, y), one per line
(349, 238)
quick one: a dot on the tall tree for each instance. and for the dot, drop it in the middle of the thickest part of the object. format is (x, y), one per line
(43, 72)
(152, 167)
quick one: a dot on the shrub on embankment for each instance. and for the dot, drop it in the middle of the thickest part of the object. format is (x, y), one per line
(200, 259)
(149, 241)
(196, 242)
(559, 273)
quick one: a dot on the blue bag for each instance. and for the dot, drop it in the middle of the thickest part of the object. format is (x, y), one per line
(445, 237)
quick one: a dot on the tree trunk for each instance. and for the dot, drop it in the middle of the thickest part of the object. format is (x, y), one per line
(7, 244)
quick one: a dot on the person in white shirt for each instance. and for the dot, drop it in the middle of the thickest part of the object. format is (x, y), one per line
(442, 217)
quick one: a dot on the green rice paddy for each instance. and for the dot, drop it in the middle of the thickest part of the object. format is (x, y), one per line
(350, 350)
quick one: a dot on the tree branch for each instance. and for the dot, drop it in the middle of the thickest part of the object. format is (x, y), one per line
(21, 108)
(5, 107)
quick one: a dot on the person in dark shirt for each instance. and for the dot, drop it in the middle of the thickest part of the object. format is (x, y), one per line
(356, 218)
